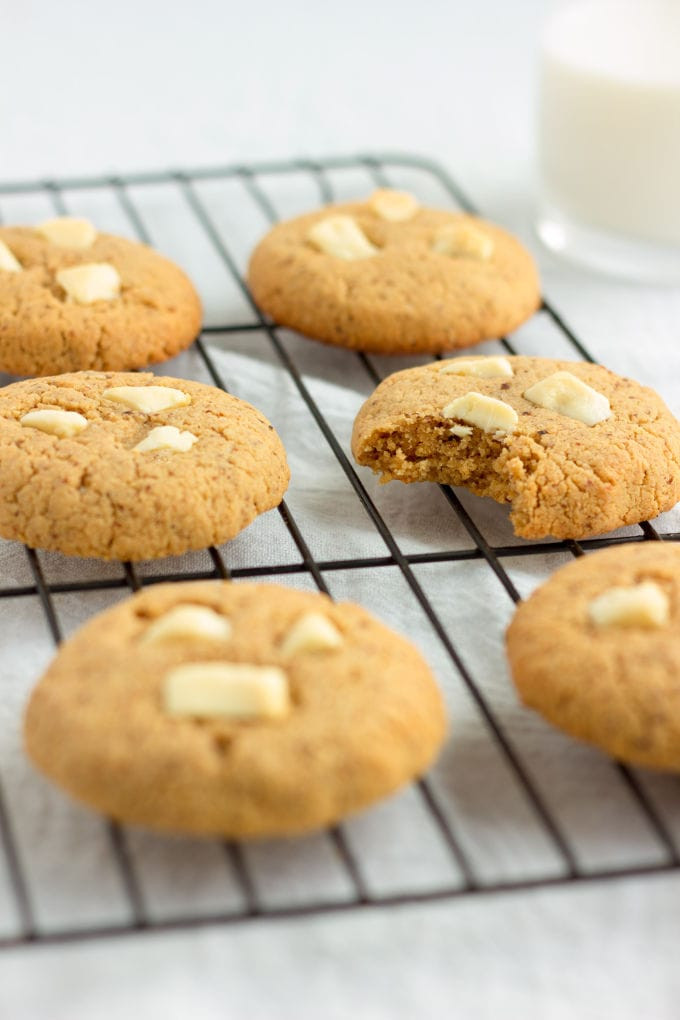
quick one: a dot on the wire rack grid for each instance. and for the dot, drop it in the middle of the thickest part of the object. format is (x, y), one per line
(511, 805)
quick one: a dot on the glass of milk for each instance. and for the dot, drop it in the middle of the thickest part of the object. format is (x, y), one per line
(609, 136)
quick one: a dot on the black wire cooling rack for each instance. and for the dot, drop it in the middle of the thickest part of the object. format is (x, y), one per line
(341, 869)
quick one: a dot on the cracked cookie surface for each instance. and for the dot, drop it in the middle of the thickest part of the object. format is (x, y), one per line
(93, 494)
(563, 478)
(613, 686)
(365, 717)
(156, 315)
(408, 297)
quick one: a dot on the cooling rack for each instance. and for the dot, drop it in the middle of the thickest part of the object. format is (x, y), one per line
(510, 806)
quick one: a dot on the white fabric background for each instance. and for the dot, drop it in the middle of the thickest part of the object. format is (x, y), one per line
(88, 88)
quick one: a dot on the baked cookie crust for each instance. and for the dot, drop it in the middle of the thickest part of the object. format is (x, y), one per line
(408, 297)
(563, 478)
(42, 332)
(94, 494)
(613, 686)
(365, 717)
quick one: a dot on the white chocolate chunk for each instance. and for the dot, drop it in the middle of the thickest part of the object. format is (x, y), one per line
(8, 262)
(148, 399)
(68, 232)
(487, 413)
(166, 437)
(313, 632)
(570, 396)
(641, 605)
(93, 281)
(342, 237)
(226, 690)
(394, 206)
(463, 238)
(188, 622)
(461, 431)
(483, 368)
(57, 423)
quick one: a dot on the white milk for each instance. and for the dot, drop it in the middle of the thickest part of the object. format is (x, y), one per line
(609, 123)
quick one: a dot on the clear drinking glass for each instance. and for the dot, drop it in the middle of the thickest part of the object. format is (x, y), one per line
(609, 136)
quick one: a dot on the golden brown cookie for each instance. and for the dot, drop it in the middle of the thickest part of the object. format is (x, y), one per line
(596, 650)
(132, 466)
(575, 449)
(355, 715)
(135, 308)
(388, 276)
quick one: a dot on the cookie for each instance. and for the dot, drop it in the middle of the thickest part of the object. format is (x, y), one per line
(132, 466)
(596, 650)
(388, 276)
(574, 449)
(73, 299)
(239, 709)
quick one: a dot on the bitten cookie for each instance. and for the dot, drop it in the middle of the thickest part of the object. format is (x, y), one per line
(132, 466)
(388, 276)
(575, 449)
(596, 650)
(72, 299)
(240, 709)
